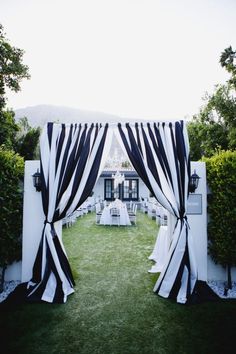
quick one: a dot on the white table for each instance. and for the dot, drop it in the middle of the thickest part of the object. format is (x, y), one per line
(106, 218)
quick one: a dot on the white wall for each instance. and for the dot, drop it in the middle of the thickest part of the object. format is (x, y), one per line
(33, 219)
(143, 190)
(198, 223)
(99, 189)
(217, 272)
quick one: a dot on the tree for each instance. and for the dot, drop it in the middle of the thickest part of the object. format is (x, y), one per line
(206, 138)
(221, 176)
(27, 140)
(19, 137)
(214, 127)
(227, 61)
(8, 129)
(12, 70)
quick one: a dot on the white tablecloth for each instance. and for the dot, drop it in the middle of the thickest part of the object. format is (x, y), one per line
(106, 218)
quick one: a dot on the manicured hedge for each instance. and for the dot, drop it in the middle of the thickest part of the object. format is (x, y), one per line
(221, 178)
(11, 174)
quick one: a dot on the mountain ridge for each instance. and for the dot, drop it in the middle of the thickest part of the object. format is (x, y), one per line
(41, 114)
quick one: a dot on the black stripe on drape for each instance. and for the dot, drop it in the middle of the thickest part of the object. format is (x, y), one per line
(177, 283)
(79, 171)
(94, 170)
(150, 159)
(49, 133)
(181, 155)
(180, 187)
(156, 149)
(69, 165)
(65, 155)
(95, 134)
(60, 144)
(63, 261)
(138, 138)
(163, 156)
(36, 277)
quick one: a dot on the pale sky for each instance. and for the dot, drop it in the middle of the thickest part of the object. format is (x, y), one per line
(151, 59)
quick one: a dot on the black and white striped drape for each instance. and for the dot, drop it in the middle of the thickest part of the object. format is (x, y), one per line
(72, 157)
(159, 152)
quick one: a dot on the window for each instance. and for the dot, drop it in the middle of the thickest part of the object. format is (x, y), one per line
(108, 189)
(128, 190)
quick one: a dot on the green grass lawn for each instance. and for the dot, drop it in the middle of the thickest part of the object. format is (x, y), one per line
(114, 309)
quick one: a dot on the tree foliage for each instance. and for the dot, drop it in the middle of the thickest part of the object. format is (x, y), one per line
(206, 138)
(12, 70)
(27, 140)
(214, 127)
(221, 176)
(17, 136)
(8, 129)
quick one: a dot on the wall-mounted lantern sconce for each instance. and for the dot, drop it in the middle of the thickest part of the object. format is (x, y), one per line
(37, 181)
(193, 182)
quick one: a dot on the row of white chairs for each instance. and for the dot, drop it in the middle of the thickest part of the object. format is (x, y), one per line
(86, 207)
(155, 211)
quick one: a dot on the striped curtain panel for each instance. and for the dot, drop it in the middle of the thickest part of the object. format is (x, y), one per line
(72, 158)
(159, 152)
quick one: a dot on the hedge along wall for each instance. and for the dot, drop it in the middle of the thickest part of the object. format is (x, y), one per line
(11, 196)
(221, 178)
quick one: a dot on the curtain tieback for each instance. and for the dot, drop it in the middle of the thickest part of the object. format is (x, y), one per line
(184, 218)
(51, 223)
(47, 222)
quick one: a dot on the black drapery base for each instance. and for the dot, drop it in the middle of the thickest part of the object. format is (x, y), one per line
(202, 293)
(18, 296)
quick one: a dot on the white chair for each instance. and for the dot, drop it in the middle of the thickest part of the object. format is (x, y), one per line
(98, 212)
(152, 207)
(132, 215)
(130, 206)
(144, 206)
(115, 216)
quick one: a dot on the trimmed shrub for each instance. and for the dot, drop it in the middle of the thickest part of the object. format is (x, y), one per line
(11, 196)
(221, 177)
